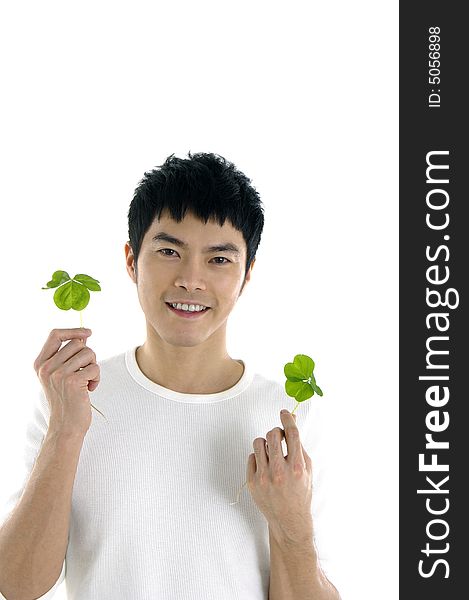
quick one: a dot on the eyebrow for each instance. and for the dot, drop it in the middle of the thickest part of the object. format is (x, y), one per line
(226, 247)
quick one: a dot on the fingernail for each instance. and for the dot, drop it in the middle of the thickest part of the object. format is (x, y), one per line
(283, 411)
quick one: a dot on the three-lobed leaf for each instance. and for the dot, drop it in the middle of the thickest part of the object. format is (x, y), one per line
(301, 383)
(72, 293)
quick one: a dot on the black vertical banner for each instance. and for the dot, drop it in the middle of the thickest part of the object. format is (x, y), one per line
(434, 269)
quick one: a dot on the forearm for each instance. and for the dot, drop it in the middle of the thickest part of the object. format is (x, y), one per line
(295, 573)
(33, 540)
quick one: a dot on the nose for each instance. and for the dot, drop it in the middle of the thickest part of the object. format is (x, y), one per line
(190, 275)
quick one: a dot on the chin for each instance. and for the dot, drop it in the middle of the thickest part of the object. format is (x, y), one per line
(182, 340)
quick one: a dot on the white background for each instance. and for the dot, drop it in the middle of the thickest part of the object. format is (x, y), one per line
(302, 97)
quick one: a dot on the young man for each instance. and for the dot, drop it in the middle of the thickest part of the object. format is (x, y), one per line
(139, 505)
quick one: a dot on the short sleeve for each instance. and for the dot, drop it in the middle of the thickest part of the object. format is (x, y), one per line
(35, 432)
(314, 435)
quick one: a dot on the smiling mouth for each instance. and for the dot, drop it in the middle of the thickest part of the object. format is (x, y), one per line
(190, 314)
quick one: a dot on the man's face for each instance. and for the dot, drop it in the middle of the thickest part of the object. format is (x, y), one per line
(189, 269)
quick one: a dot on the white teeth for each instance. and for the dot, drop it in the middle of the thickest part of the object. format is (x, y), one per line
(189, 307)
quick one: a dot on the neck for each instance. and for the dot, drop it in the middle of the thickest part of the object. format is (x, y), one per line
(190, 370)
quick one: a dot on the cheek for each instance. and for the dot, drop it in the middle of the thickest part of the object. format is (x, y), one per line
(151, 275)
(148, 289)
(230, 290)
(229, 280)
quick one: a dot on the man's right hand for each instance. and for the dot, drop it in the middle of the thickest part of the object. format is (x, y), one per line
(67, 374)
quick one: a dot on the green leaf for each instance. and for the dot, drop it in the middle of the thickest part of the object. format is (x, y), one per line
(80, 296)
(299, 390)
(63, 296)
(72, 295)
(317, 389)
(301, 383)
(301, 368)
(58, 278)
(306, 364)
(91, 283)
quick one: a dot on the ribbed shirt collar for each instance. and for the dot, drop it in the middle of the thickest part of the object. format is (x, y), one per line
(159, 390)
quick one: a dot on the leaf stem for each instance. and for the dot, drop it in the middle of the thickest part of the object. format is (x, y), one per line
(297, 405)
(98, 410)
(239, 492)
(81, 325)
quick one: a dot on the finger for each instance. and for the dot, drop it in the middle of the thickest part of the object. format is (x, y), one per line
(305, 454)
(54, 342)
(86, 356)
(251, 468)
(69, 349)
(307, 458)
(292, 436)
(260, 453)
(92, 374)
(274, 444)
(74, 356)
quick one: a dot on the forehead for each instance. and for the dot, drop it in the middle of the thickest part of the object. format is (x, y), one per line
(192, 229)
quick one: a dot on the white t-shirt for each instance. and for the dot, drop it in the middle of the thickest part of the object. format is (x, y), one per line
(151, 516)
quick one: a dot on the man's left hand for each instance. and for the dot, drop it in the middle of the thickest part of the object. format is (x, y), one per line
(281, 486)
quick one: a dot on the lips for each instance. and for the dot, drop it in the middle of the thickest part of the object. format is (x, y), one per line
(187, 314)
(186, 302)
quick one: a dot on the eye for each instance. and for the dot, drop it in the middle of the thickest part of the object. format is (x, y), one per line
(223, 258)
(166, 251)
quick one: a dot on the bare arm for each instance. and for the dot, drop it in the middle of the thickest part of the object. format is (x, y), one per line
(282, 489)
(295, 573)
(33, 540)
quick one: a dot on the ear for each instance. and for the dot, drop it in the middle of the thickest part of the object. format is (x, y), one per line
(247, 277)
(251, 267)
(131, 266)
